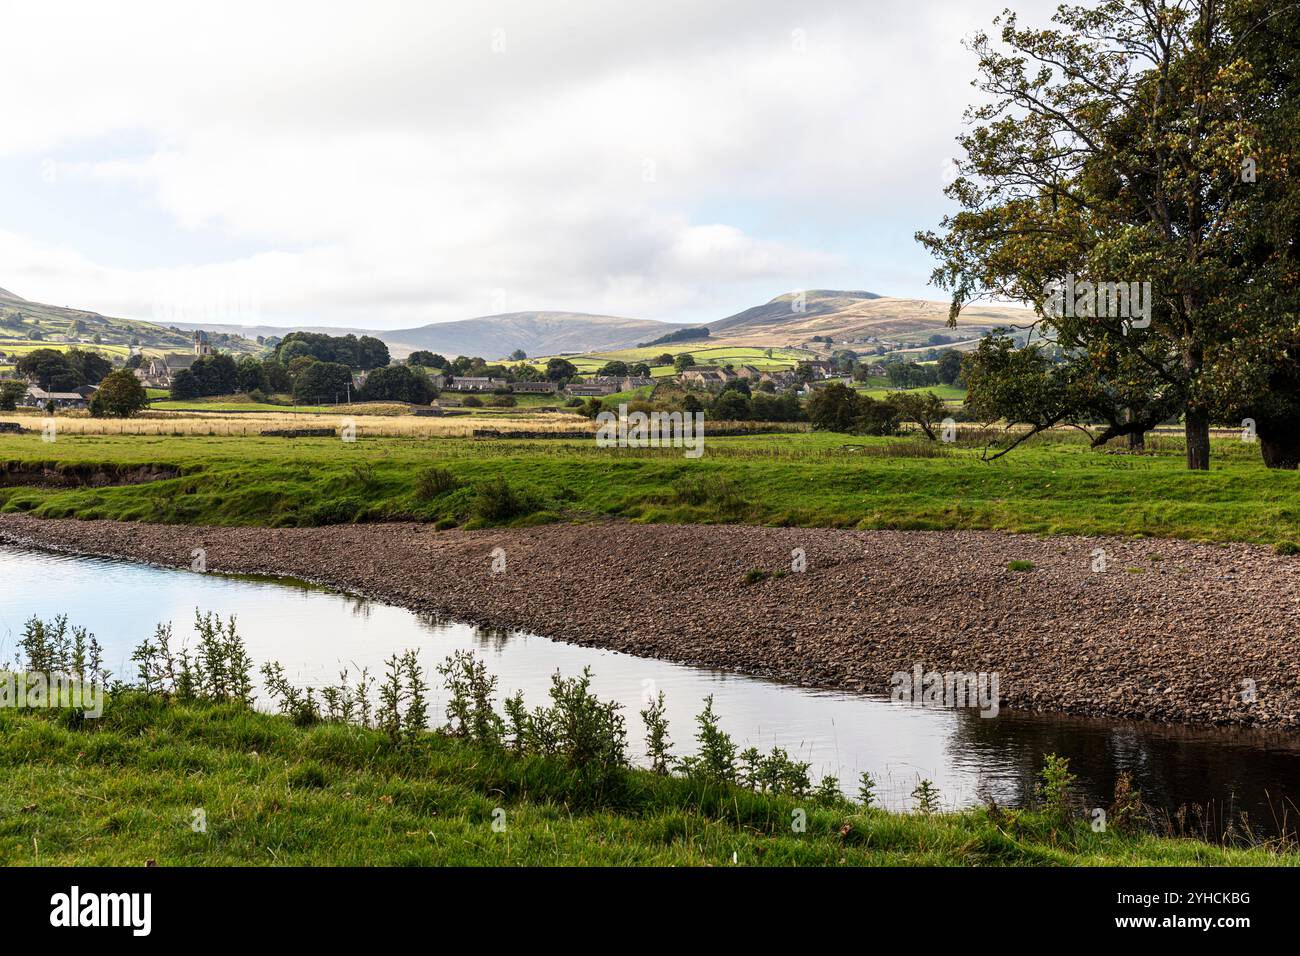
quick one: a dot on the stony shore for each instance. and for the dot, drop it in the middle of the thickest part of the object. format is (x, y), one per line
(1169, 631)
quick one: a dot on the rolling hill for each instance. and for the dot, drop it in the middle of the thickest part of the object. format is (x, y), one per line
(25, 324)
(488, 336)
(856, 318)
(537, 333)
(848, 318)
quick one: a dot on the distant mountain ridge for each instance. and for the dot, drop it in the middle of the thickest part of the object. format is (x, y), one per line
(854, 318)
(849, 317)
(537, 333)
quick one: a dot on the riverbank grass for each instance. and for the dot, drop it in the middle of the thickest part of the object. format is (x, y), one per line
(1055, 484)
(205, 784)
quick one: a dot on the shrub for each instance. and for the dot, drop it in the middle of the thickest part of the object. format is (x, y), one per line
(716, 760)
(828, 792)
(584, 730)
(777, 773)
(754, 575)
(498, 501)
(1127, 810)
(54, 648)
(472, 401)
(222, 666)
(469, 709)
(433, 482)
(1286, 548)
(1020, 566)
(1054, 788)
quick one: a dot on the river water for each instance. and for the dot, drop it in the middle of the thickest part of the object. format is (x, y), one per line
(315, 632)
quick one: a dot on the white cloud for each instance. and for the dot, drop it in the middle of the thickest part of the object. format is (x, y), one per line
(659, 160)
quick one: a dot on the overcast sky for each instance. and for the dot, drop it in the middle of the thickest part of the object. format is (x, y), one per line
(385, 165)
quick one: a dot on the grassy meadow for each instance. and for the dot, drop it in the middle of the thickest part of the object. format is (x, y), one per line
(1053, 484)
(123, 790)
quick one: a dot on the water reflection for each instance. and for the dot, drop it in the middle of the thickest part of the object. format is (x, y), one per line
(315, 633)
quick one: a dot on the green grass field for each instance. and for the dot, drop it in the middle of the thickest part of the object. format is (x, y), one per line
(949, 393)
(124, 789)
(1054, 484)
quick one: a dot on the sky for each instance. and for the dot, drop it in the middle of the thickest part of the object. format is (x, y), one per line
(385, 165)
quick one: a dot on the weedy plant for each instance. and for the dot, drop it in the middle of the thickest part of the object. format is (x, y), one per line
(1127, 811)
(220, 669)
(926, 796)
(55, 648)
(716, 760)
(469, 707)
(866, 789)
(656, 735)
(1055, 787)
(403, 707)
(298, 705)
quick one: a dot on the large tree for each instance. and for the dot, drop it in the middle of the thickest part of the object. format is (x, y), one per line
(1110, 150)
(120, 395)
(1255, 372)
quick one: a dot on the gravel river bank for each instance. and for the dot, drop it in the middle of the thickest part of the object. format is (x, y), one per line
(1169, 631)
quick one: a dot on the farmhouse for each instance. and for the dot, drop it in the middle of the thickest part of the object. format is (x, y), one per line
(476, 383)
(784, 379)
(534, 388)
(40, 398)
(593, 387)
(707, 376)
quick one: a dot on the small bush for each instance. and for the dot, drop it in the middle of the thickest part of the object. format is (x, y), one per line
(1054, 789)
(1020, 566)
(1286, 548)
(716, 760)
(469, 708)
(497, 500)
(754, 575)
(434, 482)
(472, 401)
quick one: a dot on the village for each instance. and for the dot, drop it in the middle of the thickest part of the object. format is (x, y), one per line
(159, 372)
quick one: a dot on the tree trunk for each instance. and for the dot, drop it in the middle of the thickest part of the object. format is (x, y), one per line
(1279, 442)
(1137, 441)
(1196, 427)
